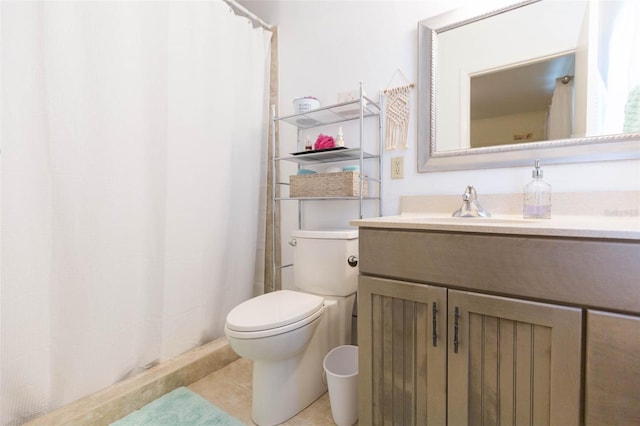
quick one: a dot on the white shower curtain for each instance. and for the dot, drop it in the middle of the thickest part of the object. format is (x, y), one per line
(560, 118)
(133, 138)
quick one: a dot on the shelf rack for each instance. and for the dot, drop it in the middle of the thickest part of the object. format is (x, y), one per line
(358, 111)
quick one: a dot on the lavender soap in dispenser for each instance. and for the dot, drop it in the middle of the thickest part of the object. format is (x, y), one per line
(537, 196)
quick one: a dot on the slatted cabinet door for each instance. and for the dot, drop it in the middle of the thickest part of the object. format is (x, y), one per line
(512, 362)
(402, 358)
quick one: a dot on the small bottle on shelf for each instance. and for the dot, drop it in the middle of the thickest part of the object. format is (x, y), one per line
(308, 146)
(537, 196)
(339, 138)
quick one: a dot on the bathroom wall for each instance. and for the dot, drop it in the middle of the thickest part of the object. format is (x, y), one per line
(326, 47)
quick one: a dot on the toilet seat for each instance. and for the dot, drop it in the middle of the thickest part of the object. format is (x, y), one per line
(273, 313)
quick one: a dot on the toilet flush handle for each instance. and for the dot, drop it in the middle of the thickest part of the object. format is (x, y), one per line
(352, 261)
(293, 242)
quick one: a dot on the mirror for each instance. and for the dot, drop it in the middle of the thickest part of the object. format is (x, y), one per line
(537, 79)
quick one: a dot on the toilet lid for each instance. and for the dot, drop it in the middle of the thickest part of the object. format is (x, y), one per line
(272, 310)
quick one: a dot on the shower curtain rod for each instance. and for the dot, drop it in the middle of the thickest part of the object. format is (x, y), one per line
(240, 10)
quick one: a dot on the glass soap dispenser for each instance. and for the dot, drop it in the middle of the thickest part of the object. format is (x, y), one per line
(537, 196)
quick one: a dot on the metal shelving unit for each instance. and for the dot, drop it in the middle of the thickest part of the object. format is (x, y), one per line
(356, 112)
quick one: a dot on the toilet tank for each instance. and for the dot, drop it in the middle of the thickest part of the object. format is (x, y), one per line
(321, 261)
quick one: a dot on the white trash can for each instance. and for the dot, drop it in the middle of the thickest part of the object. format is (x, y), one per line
(341, 368)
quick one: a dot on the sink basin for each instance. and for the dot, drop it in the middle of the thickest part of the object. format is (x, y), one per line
(473, 220)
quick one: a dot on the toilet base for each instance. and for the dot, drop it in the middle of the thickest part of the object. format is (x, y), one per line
(281, 389)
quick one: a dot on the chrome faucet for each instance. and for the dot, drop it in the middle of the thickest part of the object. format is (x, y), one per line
(470, 205)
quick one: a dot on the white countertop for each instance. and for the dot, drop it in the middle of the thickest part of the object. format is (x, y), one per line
(627, 228)
(574, 215)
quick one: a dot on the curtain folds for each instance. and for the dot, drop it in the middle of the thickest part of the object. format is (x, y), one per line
(133, 151)
(560, 119)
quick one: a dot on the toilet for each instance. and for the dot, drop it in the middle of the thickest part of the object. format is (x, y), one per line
(288, 333)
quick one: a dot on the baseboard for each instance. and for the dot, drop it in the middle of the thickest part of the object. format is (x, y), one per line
(115, 402)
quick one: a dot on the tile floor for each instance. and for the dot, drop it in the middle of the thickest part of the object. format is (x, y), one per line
(230, 389)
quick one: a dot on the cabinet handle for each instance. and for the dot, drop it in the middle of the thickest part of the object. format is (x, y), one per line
(456, 342)
(434, 311)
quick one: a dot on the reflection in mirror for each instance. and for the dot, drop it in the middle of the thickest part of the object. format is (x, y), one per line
(523, 104)
(537, 79)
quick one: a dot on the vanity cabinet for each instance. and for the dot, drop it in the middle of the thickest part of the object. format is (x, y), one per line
(613, 369)
(432, 356)
(524, 325)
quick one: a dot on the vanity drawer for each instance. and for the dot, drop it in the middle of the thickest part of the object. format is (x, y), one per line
(585, 272)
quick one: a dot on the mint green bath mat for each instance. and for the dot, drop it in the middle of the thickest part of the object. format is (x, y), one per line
(180, 407)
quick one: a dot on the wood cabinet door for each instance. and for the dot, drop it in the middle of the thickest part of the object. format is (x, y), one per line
(512, 362)
(612, 394)
(402, 337)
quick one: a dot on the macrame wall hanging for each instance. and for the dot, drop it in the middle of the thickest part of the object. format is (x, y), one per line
(397, 113)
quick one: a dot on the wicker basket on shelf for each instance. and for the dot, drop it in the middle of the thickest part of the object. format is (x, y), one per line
(339, 184)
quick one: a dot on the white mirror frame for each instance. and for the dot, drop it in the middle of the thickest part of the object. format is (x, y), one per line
(597, 148)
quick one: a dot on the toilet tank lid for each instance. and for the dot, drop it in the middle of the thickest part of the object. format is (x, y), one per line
(330, 234)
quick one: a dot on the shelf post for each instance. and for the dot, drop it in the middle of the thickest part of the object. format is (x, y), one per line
(361, 151)
(274, 196)
(380, 151)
